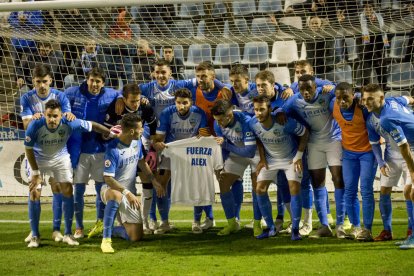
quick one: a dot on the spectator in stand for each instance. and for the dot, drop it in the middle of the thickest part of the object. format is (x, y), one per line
(154, 19)
(118, 56)
(144, 62)
(372, 46)
(176, 64)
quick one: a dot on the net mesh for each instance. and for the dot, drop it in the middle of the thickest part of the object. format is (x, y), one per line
(354, 41)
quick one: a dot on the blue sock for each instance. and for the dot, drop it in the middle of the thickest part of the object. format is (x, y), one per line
(409, 205)
(307, 196)
(68, 210)
(152, 212)
(57, 211)
(162, 203)
(109, 217)
(227, 200)
(257, 215)
(320, 204)
(266, 209)
(79, 204)
(208, 209)
(198, 212)
(328, 207)
(120, 232)
(237, 190)
(280, 205)
(385, 206)
(368, 206)
(340, 206)
(100, 206)
(34, 216)
(296, 206)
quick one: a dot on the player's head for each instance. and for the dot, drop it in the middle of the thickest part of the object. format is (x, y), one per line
(373, 97)
(315, 23)
(307, 87)
(303, 67)
(222, 112)
(90, 46)
(262, 108)
(183, 100)
(131, 96)
(205, 75)
(168, 52)
(44, 48)
(344, 95)
(131, 125)
(265, 83)
(239, 77)
(162, 72)
(53, 114)
(42, 79)
(369, 8)
(143, 47)
(95, 80)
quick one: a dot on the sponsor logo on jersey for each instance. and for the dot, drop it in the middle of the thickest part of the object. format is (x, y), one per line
(61, 132)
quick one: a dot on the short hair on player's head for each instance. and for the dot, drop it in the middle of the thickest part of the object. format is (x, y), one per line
(306, 78)
(261, 99)
(221, 107)
(97, 72)
(344, 86)
(265, 75)
(53, 104)
(183, 93)
(205, 65)
(41, 71)
(44, 45)
(168, 47)
(162, 62)
(372, 88)
(130, 89)
(130, 120)
(239, 69)
(303, 63)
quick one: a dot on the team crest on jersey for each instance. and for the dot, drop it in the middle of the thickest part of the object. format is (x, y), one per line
(276, 132)
(107, 117)
(395, 132)
(193, 122)
(28, 139)
(107, 163)
(61, 132)
(237, 129)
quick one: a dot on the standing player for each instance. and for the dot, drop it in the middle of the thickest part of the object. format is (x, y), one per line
(398, 122)
(46, 153)
(358, 161)
(89, 101)
(176, 123)
(32, 105)
(392, 167)
(122, 157)
(131, 95)
(239, 143)
(303, 67)
(282, 153)
(311, 107)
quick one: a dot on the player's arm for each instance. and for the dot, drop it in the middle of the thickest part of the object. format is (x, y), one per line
(66, 110)
(158, 143)
(262, 162)
(302, 132)
(374, 140)
(36, 178)
(148, 173)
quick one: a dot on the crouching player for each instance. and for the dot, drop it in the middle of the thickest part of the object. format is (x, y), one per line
(281, 153)
(46, 152)
(122, 157)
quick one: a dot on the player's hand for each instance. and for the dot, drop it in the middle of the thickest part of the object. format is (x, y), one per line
(287, 93)
(133, 201)
(262, 164)
(151, 159)
(159, 189)
(219, 140)
(281, 118)
(298, 166)
(226, 93)
(37, 116)
(203, 132)
(326, 89)
(70, 116)
(20, 82)
(144, 101)
(119, 106)
(159, 146)
(35, 182)
(385, 170)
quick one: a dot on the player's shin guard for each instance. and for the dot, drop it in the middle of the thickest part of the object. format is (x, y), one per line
(109, 217)
(68, 210)
(340, 206)
(320, 204)
(208, 209)
(385, 206)
(409, 206)
(280, 205)
(57, 211)
(227, 200)
(120, 232)
(266, 209)
(257, 215)
(162, 203)
(146, 199)
(198, 212)
(100, 206)
(152, 212)
(34, 216)
(296, 205)
(237, 190)
(328, 207)
(79, 204)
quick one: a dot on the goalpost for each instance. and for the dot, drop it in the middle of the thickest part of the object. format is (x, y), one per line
(343, 40)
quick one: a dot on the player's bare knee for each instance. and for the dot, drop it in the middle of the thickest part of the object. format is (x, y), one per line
(407, 192)
(385, 190)
(261, 189)
(294, 187)
(35, 195)
(67, 189)
(55, 186)
(113, 195)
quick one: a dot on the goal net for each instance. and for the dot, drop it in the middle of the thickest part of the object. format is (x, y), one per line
(355, 41)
